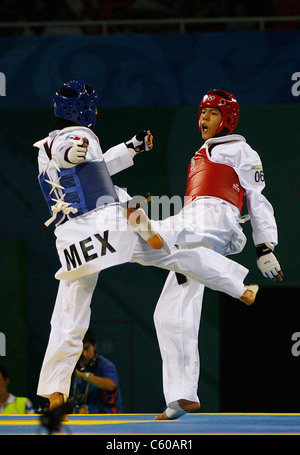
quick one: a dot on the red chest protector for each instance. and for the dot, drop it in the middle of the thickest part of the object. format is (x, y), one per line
(206, 178)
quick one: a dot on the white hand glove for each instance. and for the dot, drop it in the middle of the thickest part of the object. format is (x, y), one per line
(77, 152)
(267, 261)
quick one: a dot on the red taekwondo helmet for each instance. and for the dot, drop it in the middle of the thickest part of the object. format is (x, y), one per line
(228, 106)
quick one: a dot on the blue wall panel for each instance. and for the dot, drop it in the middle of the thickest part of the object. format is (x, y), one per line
(152, 69)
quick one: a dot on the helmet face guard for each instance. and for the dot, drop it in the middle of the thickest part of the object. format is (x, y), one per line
(77, 101)
(229, 107)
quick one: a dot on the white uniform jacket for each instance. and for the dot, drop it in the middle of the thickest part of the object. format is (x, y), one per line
(214, 222)
(100, 238)
(235, 152)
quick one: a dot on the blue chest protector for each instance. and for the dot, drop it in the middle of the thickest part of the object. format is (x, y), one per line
(86, 187)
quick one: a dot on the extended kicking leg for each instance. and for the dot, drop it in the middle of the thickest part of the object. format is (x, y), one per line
(201, 264)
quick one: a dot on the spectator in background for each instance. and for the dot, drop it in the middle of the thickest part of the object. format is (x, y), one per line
(9, 403)
(157, 9)
(96, 384)
(286, 8)
(12, 11)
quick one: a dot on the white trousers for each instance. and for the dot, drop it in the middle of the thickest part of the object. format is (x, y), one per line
(177, 320)
(71, 315)
(69, 323)
(178, 311)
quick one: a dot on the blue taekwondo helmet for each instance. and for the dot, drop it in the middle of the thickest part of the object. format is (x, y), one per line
(76, 101)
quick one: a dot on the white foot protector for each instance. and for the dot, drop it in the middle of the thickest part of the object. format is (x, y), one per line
(174, 411)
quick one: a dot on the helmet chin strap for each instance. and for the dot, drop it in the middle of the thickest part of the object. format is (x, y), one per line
(224, 131)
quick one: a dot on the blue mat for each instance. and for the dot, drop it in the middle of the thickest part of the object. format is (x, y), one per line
(144, 424)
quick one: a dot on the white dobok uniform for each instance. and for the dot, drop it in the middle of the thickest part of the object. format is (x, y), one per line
(92, 234)
(178, 311)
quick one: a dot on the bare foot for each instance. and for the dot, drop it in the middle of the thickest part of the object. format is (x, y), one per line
(142, 224)
(250, 294)
(57, 399)
(187, 406)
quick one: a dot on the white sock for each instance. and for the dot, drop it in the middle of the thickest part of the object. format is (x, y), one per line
(174, 411)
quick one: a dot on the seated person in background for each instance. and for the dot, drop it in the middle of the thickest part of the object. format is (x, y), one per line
(96, 384)
(9, 403)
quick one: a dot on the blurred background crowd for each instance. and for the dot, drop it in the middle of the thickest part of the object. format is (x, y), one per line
(76, 11)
